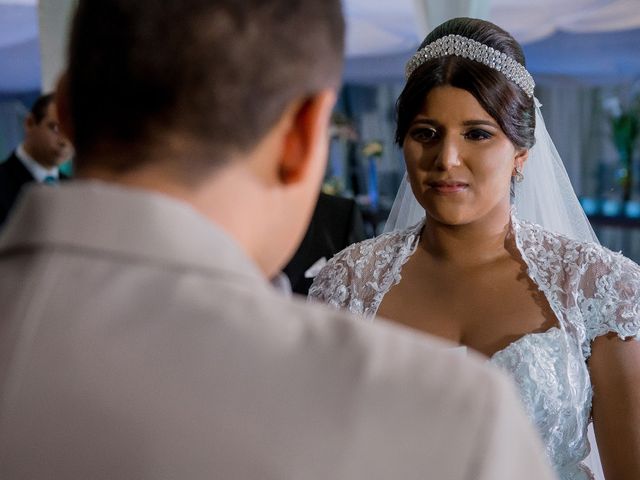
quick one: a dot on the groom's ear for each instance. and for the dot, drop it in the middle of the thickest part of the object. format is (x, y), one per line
(306, 139)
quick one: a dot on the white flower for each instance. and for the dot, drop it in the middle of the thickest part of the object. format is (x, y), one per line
(612, 106)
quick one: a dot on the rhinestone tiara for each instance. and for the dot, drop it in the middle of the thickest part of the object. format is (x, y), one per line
(465, 47)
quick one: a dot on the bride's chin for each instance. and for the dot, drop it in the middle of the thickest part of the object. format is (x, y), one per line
(447, 213)
(447, 218)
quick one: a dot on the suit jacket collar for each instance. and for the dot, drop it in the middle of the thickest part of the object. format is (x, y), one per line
(125, 222)
(38, 172)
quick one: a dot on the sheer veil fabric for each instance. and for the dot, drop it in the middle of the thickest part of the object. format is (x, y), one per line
(545, 197)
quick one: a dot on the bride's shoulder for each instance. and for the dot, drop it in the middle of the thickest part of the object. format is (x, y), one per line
(537, 242)
(600, 288)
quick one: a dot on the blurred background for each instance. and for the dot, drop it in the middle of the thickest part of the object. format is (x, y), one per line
(582, 54)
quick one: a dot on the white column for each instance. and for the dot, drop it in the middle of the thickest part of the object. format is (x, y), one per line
(54, 21)
(431, 13)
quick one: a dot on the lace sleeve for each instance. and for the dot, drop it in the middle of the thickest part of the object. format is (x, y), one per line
(358, 277)
(333, 285)
(611, 301)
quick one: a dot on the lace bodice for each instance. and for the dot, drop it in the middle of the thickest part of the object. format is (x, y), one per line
(591, 290)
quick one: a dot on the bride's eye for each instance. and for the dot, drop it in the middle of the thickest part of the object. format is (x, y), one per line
(423, 134)
(478, 134)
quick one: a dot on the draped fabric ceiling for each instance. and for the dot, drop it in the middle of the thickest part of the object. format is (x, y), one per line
(593, 39)
(19, 46)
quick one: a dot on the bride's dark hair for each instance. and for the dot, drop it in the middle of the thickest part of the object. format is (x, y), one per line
(501, 98)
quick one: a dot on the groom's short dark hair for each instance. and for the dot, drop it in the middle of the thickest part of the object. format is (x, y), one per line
(218, 72)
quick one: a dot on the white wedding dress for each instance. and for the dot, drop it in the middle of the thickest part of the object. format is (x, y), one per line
(591, 290)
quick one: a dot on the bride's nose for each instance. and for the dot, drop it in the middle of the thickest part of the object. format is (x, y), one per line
(448, 155)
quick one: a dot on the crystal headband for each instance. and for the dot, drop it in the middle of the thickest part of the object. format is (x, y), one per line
(479, 52)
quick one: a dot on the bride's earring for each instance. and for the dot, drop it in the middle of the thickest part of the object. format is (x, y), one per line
(518, 176)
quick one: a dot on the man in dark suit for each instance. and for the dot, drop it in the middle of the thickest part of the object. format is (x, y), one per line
(336, 224)
(38, 157)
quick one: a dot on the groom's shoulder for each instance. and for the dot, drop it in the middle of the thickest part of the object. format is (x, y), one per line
(379, 362)
(410, 387)
(382, 353)
(395, 346)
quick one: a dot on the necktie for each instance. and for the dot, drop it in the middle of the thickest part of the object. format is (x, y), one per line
(50, 180)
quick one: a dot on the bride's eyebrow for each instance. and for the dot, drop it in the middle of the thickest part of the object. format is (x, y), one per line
(475, 123)
(425, 121)
(466, 123)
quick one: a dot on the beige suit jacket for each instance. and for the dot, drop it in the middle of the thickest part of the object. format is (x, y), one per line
(137, 341)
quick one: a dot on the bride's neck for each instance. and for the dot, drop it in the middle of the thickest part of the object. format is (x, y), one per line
(481, 242)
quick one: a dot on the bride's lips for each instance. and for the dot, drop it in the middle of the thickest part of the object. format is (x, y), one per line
(448, 186)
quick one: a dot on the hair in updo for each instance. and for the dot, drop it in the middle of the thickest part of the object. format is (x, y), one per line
(507, 103)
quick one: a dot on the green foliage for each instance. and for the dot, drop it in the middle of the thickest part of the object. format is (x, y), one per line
(625, 129)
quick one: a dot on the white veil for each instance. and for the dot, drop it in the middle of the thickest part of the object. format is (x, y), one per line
(544, 197)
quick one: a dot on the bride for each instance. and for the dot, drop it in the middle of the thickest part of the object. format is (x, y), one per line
(504, 261)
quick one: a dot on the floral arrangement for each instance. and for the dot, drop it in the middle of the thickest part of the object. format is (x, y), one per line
(333, 186)
(372, 149)
(342, 129)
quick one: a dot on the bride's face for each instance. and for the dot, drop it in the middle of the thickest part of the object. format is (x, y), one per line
(459, 160)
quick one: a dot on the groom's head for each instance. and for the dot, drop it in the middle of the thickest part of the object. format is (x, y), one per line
(216, 73)
(186, 95)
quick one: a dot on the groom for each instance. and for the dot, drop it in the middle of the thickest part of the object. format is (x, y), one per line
(139, 337)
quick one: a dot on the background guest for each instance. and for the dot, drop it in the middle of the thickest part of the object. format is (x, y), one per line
(336, 223)
(38, 157)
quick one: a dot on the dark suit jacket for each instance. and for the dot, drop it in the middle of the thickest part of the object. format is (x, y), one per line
(336, 224)
(13, 176)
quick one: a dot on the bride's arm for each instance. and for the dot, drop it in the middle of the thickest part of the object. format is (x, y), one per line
(615, 375)
(613, 328)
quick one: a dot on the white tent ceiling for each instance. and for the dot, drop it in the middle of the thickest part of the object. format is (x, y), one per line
(592, 40)
(19, 48)
(585, 38)
(383, 26)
